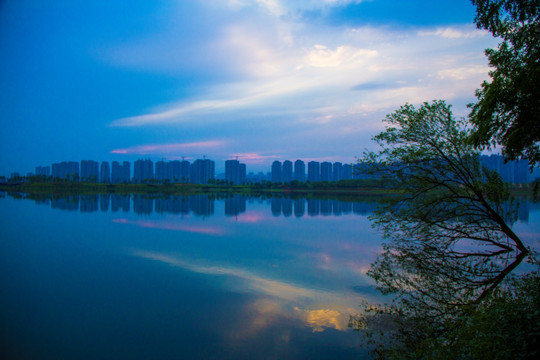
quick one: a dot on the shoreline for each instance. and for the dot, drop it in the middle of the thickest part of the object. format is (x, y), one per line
(354, 188)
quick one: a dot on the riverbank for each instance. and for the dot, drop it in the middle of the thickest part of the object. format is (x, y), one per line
(350, 189)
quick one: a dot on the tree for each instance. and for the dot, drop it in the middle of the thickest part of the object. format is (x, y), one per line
(506, 112)
(448, 238)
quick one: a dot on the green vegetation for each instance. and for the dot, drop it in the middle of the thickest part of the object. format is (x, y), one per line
(506, 112)
(449, 248)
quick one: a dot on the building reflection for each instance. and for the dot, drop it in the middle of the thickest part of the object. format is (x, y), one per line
(143, 205)
(66, 203)
(235, 205)
(120, 202)
(104, 200)
(204, 205)
(275, 206)
(88, 203)
(299, 207)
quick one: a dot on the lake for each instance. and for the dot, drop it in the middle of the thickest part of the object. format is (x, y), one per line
(204, 276)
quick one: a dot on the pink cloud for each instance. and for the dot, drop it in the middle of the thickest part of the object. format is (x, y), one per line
(168, 148)
(254, 158)
(167, 225)
(251, 218)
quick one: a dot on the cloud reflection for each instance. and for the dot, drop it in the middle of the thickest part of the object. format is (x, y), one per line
(316, 308)
(169, 225)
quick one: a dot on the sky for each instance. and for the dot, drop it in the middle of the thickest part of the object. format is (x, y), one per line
(261, 80)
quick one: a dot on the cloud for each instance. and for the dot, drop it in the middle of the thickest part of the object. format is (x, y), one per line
(283, 84)
(168, 148)
(454, 33)
(254, 158)
(173, 226)
(315, 77)
(321, 56)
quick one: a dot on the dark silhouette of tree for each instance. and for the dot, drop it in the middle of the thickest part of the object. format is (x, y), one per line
(506, 112)
(448, 238)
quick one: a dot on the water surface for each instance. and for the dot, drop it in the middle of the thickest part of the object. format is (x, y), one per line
(211, 277)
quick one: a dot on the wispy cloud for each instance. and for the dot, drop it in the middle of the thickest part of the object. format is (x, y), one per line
(292, 76)
(168, 148)
(254, 158)
(454, 33)
(173, 226)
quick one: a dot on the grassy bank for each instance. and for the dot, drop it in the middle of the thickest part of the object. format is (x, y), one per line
(351, 189)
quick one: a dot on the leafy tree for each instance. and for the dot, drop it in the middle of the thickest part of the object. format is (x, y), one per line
(507, 108)
(448, 239)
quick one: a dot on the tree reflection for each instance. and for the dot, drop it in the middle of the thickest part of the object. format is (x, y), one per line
(449, 246)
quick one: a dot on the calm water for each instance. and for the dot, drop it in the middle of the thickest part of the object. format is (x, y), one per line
(114, 277)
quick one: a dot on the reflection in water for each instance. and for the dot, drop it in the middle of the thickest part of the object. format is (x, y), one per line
(333, 315)
(235, 205)
(204, 205)
(212, 276)
(120, 202)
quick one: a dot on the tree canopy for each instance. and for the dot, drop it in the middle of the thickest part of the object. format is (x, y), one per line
(507, 109)
(449, 244)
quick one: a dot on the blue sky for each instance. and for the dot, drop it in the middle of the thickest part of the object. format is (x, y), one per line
(263, 80)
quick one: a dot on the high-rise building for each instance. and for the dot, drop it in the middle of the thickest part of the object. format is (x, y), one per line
(66, 170)
(314, 172)
(185, 171)
(161, 170)
(116, 173)
(510, 171)
(326, 171)
(174, 171)
(126, 172)
(89, 170)
(299, 170)
(202, 171)
(120, 173)
(105, 172)
(243, 173)
(43, 171)
(143, 170)
(276, 171)
(521, 172)
(338, 171)
(346, 172)
(287, 171)
(235, 172)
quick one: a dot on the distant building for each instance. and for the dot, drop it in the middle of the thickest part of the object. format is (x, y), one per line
(276, 171)
(346, 172)
(516, 172)
(126, 171)
(105, 173)
(120, 173)
(66, 170)
(161, 171)
(202, 171)
(143, 170)
(235, 172)
(174, 171)
(185, 171)
(43, 171)
(314, 172)
(256, 178)
(299, 170)
(287, 171)
(338, 171)
(116, 173)
(89, 170)
(326, 171)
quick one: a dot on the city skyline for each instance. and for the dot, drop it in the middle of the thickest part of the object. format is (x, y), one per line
(261, 80)
(201, 171)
